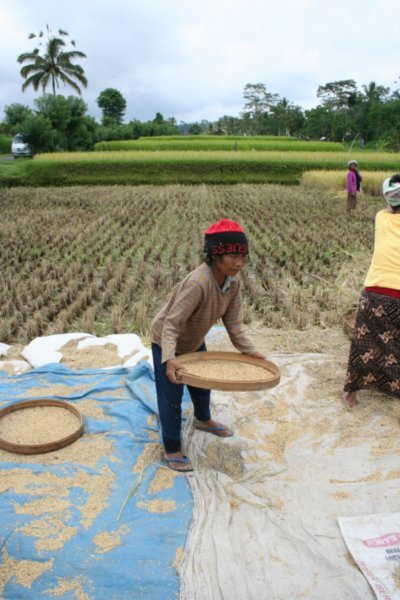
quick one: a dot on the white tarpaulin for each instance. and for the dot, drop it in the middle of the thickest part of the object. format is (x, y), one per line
(50, 349)
(267, 500)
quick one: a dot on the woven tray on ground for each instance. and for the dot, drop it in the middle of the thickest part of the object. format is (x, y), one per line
(271, 378)
(44, 447)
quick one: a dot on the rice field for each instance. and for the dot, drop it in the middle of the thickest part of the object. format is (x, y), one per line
(329, 160)
(220, 143)
(189, 160)
(336, 181)
(104, 259)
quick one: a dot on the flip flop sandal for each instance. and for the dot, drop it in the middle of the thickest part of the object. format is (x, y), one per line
(184, 460)
(217, 430)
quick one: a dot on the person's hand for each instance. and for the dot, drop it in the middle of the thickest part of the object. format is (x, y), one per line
(172, 367)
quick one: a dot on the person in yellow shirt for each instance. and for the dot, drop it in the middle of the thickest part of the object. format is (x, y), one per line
(374, 360)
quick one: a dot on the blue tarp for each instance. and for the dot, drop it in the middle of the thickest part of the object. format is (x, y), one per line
(141, 565)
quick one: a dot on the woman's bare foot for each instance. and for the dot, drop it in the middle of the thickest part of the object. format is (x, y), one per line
(350, 399)
(181, 463)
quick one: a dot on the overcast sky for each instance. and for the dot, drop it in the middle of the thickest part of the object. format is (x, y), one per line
(190, 59)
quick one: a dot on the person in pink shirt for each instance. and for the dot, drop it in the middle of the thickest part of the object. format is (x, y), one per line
(353, 185)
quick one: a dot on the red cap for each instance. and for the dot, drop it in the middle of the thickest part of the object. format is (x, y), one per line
(224, 225)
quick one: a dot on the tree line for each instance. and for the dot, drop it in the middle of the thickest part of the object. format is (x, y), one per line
(369, 115)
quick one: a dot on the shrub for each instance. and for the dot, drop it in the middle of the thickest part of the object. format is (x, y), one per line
(5, 144)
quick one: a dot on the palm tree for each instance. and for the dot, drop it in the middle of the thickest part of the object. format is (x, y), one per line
(53, 65)
(374, 92)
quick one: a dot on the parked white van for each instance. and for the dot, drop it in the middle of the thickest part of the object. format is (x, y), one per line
(19, 147)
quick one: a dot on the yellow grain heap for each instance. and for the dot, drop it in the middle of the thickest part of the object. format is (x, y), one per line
(227, 370)
(38, 425)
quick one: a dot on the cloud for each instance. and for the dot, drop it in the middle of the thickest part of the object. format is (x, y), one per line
(192, 58)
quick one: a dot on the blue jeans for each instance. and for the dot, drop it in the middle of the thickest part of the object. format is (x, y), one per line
(169, 399)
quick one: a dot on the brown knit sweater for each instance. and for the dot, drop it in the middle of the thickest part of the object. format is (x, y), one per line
(194, 307)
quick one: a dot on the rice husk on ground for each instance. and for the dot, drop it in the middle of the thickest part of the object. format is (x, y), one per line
(376, 418)
(95, 356)
(158, 505)
(74, 585)
(163, 479)
(107, 540)
(24, 571)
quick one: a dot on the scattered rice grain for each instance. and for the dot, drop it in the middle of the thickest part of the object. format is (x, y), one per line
(24, 571)
(158, 506)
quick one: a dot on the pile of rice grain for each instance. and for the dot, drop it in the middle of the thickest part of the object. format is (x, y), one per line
(38, 425)
(228, 370)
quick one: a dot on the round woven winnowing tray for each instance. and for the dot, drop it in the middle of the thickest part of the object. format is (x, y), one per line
(21, 448)
(269, 372)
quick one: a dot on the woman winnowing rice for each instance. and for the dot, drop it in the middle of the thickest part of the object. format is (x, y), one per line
(207, 294)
